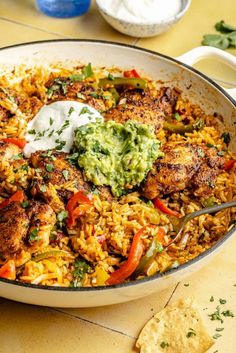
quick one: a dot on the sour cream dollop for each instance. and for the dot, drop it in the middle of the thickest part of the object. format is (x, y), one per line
(143, 10)
(54, 125)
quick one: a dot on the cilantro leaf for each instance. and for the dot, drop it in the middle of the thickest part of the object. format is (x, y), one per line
(87, 71)
(216, 40)
(223, 27)
(33, 234)
(226, 137)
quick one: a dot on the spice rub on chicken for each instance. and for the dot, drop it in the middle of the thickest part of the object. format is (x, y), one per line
(14, 224)
(68, 88)
(147, 106)
(21, 226)
(14, 169)
(56, 179)
(183, 165)
(42, 221)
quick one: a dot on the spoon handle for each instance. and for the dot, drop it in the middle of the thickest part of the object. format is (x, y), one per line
(206, 210)
(209, 210)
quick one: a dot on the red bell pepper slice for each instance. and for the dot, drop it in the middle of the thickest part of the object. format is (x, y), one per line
(163, 208)
(8, 270)
(16, 141)
(18, 196)
(131, 73)
(77, 206)
(228, 165)
(161, 235)
(127, 268)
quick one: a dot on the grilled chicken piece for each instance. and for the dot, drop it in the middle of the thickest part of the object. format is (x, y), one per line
(30, 105)
(14, 224)
(42, 221)
(167, 100)
(174, 171)
(8, 150)
(56, 173)
(147, 107)
(140, 106)
(203, 181)
(14, 169)
(183, 165)
(63, 88)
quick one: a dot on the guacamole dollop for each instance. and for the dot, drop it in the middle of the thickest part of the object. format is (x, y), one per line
(118, 155)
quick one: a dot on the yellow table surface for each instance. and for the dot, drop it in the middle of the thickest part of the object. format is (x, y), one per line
(31, 329)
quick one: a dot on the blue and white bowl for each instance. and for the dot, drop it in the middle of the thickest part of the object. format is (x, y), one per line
(144, 28)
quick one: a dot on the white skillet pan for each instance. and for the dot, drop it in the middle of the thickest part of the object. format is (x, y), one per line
(199, 88)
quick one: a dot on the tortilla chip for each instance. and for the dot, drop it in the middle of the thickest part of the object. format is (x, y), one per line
(176, 329)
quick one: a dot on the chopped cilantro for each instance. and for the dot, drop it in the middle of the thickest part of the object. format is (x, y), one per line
(216, 315)
(25, 204)
(216, 335)
(25, 167)
(43, 188)
(76, 77)
(200, 152)
(65, 125)
(51, 133)
(164, 344)
(85, 110)
(66, 174)
(71, 110)
(106, 97)
(49, 167)
(211, 298)
(32, 132)
(227, 313)
(219, 329)
(47, 154)
(87, 71)
(110, 77)
(93, 94)
(222, 301)
(210, 145)
(81, 96)
(226, 137)
(73, 158)
(17, 156)
(33, 234)
(60, 145)
(51, 121)
(61, 217)
(81, 267)
(177, 116)
(191, 333)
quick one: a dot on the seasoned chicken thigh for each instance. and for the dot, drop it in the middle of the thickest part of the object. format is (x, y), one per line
(146, 107)
(56, 178)
(42, 221)
(182, 166)
(14, 224)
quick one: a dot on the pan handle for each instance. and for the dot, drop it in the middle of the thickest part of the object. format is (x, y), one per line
(199, 53)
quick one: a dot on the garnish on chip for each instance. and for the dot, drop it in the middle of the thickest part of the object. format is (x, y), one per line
(178, 328)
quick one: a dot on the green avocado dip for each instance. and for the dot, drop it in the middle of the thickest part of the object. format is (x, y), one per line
(118, 155)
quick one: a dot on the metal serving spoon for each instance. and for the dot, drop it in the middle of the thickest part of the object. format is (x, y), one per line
(180, 223)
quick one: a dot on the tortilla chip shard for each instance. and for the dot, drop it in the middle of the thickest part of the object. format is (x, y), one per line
(178, 328)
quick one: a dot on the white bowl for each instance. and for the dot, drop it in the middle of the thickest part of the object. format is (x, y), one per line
(144, 28)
